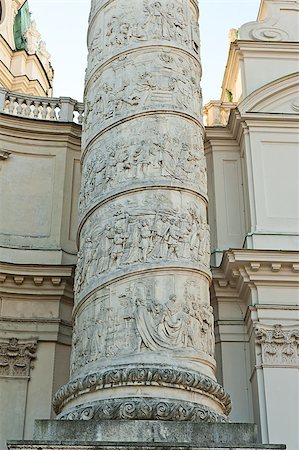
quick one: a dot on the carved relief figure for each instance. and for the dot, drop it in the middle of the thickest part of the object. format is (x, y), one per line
(142, 156)
(140, 320)
(141, 236)
(166, 82)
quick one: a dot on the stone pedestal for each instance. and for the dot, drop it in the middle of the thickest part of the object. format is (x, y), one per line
(142, 435)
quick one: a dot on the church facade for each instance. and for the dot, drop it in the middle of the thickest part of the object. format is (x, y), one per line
(251, 148)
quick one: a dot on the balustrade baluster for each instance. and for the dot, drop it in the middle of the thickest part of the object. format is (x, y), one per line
(81, 112)
(28, 108)
(35, 112)
(12, 105)
(44, 110)
(20, 102)
(52, 112)
(62, 109)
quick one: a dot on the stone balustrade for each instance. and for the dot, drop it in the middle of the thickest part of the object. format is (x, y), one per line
(62, 109)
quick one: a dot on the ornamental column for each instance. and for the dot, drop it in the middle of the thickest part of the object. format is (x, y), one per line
(143, 345)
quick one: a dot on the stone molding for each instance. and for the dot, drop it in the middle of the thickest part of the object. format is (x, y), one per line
(14, 277)
(264, 100)
(143, 409)
(273, 27)
(279, 345)
(142, 375)
(241, 270)
(16, 357)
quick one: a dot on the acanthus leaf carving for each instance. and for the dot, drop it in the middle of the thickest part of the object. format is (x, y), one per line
(280, 346)
(16, 357)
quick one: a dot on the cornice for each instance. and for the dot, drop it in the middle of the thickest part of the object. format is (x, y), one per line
(32, 280)
(266, 46)
(244, 270)
(20, 127)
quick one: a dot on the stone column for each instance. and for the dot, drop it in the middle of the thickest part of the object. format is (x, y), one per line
(143, 345)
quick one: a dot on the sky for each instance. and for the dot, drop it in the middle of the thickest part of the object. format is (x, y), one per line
(63, 25)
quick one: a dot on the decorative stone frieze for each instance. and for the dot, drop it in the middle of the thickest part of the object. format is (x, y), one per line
(143, 409)
(139, 375)
(279, 345)
(143, 275)
(16, 357)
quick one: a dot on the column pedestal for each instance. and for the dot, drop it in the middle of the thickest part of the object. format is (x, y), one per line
(142, 435)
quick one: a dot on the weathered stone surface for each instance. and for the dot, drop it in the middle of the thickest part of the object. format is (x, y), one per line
(142, 435)
(96, 446)
(124, 432)
(142, 311)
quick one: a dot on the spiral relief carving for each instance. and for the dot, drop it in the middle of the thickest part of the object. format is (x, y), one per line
(269, 34)
(143, 273)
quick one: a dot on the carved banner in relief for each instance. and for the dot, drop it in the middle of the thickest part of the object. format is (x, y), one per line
(139, 316)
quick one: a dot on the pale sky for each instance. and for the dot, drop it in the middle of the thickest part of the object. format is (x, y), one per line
(63, 24)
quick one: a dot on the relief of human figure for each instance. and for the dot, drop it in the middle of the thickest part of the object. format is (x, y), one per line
(208, 329)
(173, 328)
(180, 25)
(161, 228)
(96, 50)
(141, 160)
(110, 168)
(117, 249)
(195, 238)
(134, 253)
(182, 92)
(87, 261)
(145, 235)
(159, 23)
(173, 239)
(184, 241)
(118, 31)
(103, 250)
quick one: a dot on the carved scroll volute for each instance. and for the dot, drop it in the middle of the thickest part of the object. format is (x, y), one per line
(142, 278)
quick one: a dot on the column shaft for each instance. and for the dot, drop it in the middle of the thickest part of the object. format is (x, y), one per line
(143, 345)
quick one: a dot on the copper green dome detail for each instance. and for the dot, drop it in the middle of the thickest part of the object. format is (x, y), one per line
(21, 25)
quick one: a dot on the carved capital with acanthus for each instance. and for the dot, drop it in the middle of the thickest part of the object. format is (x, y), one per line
(279, 345)
(16, 357)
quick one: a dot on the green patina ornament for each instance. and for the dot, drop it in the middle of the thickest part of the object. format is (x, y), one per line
(21, 25)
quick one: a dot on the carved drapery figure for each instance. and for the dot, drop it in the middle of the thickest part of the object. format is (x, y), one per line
(142, 280)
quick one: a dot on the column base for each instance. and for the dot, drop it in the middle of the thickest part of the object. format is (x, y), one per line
(141, 435)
